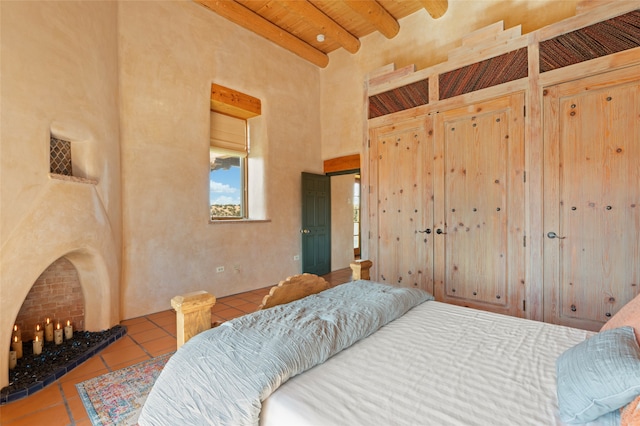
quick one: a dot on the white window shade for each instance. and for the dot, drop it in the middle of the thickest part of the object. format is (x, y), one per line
(228, 134)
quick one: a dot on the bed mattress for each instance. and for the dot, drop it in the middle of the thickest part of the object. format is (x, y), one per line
(439, 364)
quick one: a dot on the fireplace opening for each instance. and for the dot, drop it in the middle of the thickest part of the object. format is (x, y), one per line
(56, 295)
(53, 314)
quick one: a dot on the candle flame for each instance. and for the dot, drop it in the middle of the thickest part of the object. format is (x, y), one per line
(15, 328)
(58, 326)
(48, 320)
(68, 322)
(36, 338)
(15, 339)
(37, 327)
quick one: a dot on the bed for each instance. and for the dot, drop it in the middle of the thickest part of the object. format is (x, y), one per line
(365, 353)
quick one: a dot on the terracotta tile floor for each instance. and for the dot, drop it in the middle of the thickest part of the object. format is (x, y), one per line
(147, 337)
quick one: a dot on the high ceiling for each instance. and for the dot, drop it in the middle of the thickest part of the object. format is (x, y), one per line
(313, 28)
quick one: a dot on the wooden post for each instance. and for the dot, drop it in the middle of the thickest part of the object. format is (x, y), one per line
(360, 269)
(193, 314)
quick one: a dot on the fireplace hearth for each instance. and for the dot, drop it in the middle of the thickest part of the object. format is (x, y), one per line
(34, 372)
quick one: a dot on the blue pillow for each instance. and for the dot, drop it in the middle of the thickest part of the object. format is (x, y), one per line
(598, 375)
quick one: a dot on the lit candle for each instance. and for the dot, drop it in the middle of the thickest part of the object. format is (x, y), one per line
(13, 360)
(48, 330)
(39, 333)
(37, 346)
(57, 335)
(68, 330)
(16, 332)
(16, 345)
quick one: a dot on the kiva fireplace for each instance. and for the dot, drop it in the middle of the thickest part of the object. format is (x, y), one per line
(60, 260)
(48, 338)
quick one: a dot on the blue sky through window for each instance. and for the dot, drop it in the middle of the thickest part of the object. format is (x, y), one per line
(224, 186)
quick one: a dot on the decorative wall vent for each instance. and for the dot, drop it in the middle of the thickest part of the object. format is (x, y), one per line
(60, 157)
(597, 40)
(405, 97)
(490, 72)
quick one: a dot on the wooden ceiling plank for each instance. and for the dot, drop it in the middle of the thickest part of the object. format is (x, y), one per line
(436, 8)
(323, 23)
(255, 23)
(371, 11)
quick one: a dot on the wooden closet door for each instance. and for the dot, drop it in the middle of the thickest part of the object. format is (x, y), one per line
(592, 197)
(402, 203)
(480, 254)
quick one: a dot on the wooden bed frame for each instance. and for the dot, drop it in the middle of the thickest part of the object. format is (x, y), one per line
(294, 288)
(193, 310)
(303, 285)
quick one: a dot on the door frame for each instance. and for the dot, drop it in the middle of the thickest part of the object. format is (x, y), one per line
(345, 165)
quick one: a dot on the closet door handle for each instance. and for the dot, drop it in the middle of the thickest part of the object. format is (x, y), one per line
(440, 231)
(553, 235)
(426, 231)
(305, 231)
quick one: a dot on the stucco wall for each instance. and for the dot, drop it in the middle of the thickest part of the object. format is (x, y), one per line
(170, 53)
(422, 41)
(59, 74)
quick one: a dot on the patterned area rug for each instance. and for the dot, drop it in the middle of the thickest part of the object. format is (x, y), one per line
(116, 398)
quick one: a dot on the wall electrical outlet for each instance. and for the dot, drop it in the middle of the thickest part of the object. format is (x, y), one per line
(296, 257)
(220, 269)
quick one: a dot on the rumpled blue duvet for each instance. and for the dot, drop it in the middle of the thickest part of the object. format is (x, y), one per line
(221, 376)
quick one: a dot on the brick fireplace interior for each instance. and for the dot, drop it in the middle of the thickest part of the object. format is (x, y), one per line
(57, 295)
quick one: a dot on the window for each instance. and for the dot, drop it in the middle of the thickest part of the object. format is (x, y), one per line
(228, 167)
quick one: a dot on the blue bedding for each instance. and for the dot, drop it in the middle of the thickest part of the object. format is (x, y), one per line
(221, 376)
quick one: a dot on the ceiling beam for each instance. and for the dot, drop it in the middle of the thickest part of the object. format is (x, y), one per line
(376, 15)
(246, 18)
(436, 8)
(323, 23)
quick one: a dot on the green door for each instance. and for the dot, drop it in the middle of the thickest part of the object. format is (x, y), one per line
(316, 224)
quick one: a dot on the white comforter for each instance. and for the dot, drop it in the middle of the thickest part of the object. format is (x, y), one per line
(440, 365)
(221, 376)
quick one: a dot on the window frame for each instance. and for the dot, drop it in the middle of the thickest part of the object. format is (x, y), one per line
(225, 142)
(244, 201)
(235, 104)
